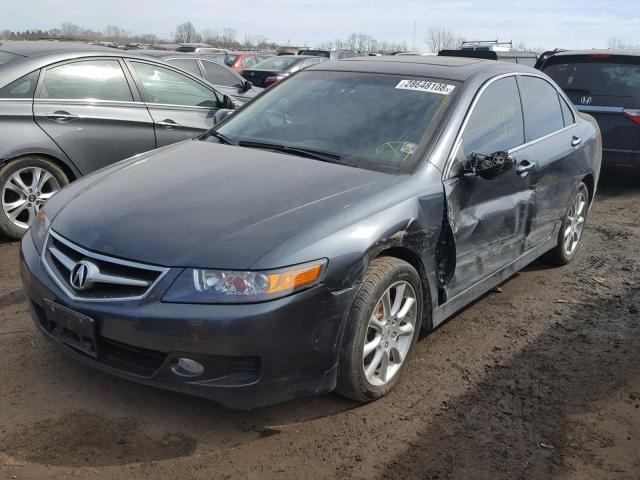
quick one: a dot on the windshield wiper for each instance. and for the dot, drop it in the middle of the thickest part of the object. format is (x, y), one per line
(303, 152)
(223, 138)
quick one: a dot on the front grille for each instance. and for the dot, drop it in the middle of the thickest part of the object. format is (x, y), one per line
(102, 278)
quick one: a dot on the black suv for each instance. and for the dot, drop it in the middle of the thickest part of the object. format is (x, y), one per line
(605, 84)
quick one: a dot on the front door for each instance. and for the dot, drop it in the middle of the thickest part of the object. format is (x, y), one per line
(88, 109)
(181, 106)
(490, 218)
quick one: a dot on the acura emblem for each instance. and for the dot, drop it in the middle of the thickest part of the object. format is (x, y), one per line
(81, 274)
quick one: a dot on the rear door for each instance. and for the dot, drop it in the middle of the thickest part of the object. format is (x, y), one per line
(88, 108)
(490, 219)
(607, 87)
(181, 106)
(554, 143)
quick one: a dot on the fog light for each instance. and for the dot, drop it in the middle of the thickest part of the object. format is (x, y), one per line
(187, 368)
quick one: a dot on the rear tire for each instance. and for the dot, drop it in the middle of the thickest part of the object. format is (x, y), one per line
(572, 228)
(25, 185)
(385, 320)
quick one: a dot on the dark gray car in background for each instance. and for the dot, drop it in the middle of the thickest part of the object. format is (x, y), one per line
(300, 246)
(225, 80)
(67, 110)
(606, 85)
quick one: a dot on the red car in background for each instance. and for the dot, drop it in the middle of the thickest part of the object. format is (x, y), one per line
(239, 61)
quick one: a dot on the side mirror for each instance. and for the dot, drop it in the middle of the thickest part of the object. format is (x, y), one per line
(221, 114)
(229, 103)
(246, 86)
(488, 166)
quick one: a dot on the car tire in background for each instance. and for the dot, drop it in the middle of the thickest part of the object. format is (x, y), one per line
(384, 322)
(572, 227)
(26, 183)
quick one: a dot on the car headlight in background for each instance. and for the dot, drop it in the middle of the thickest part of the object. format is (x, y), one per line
(39, 229)
(231, 286)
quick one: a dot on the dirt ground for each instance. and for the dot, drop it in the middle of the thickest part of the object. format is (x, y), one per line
(539, 379)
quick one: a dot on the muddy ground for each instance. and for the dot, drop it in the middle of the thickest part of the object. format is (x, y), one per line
(540, 380)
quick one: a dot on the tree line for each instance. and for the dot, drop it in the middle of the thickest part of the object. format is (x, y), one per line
(435, 38)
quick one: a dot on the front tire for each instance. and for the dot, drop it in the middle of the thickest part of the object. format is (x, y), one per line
(572, 227)
(25, 185)
(381, 330)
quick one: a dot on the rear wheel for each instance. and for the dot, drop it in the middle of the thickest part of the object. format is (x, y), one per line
(25, 186)
(382, 328)
(572, 227)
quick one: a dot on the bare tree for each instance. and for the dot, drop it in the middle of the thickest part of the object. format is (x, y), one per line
(229, 36)
(187, 33)
(617, 44)
(70, 30)
(439, 38)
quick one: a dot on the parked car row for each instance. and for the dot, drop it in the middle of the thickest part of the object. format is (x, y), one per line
(299, 245)
(66, 112)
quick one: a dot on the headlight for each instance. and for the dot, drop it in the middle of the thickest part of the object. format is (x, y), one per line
(231, 286)
(39, 229)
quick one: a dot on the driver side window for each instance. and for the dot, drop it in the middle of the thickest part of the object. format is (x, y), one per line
(164, 86)
(496, 123)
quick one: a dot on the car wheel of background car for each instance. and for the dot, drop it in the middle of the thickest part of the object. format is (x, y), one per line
(572, 227)
(381, 329)
(25, 185)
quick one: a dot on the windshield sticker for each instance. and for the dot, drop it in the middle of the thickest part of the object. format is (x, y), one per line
(423, 86)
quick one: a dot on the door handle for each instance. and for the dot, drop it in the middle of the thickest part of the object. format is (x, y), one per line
(575, 141)
(168, 123)
(524, 168)
(61, 116)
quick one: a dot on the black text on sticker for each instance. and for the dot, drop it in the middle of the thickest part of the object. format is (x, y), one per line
(425, 86)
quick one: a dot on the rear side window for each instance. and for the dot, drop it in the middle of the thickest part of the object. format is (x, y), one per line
(596, 76)
(567, 114)
(542, 114)
(220, 75)
(496, 121)
(24, 87)
(187, 64)
(165, 86)
(87, 80)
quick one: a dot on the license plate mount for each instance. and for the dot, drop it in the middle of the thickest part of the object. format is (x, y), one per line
(72, 328)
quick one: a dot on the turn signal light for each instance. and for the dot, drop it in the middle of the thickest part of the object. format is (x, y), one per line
(293, 279)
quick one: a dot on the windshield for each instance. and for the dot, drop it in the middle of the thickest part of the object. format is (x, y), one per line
(595, 76)
(367, 120)
(276, 63)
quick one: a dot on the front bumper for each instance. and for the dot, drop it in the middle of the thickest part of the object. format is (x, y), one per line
(254, 354)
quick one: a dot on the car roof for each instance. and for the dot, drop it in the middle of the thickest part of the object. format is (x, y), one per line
(41, 47)
(452, 68)
(39, 54)
(602, 51)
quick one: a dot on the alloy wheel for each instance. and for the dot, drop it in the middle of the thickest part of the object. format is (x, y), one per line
(389, 333)
(24, 194)
(574, 224)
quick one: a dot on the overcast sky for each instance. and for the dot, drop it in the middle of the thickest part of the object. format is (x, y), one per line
(545, 23)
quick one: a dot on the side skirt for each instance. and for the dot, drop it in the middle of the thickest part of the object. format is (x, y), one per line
(464, 298)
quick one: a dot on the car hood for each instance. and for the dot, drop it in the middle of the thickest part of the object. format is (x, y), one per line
(201, 204)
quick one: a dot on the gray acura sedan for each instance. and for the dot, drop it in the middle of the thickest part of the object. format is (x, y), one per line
(67, 110)
(300, 245)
